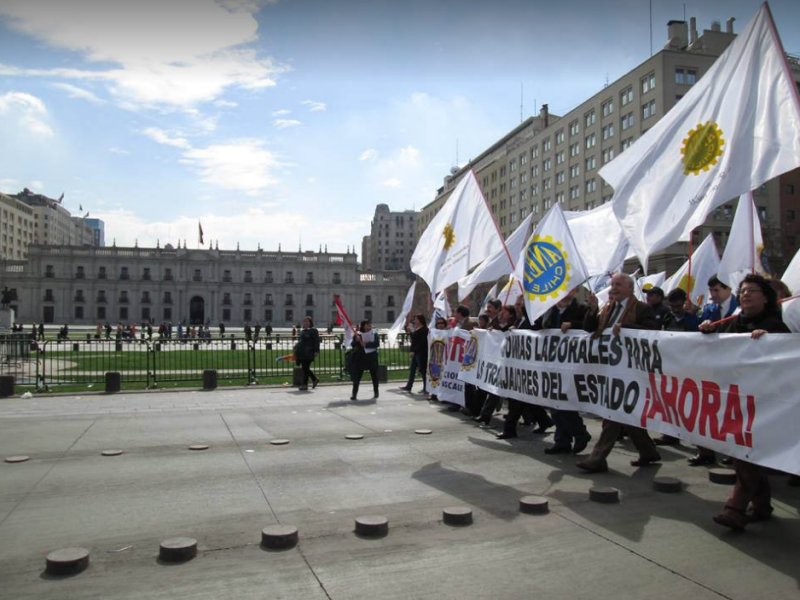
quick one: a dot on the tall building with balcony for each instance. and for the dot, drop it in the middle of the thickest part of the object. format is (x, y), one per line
(556, 159)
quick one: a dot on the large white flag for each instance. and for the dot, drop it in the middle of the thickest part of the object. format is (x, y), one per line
(791, 308)
(549, 265)
(742, 253)
(704, 264)
(499, 265)
(736, 128)
(461, 235)
(400, 322)
(599, 238)
(649, 281)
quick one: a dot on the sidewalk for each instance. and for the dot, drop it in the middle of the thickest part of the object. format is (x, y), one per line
(650, 545)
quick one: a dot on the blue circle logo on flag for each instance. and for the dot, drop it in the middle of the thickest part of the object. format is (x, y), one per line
(546, 272)
(470, 353)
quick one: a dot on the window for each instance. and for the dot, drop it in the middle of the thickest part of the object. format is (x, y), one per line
(547, 164)
(608, 155)
(685, 76)
(226, 314)
(591, 186)
(248, 277)
(560, 177)
(574, 192)
(574, 171)
(145, 297)
(648, 110)
(546, 145)
(101, 313)
(368, 300)
(309, 277)
(648, 82)
(80, 274)
(145, 313)
(289, 314)
(626, 96)
(390, 316)
(248, 300)
(123, 297)
(146, 274)
(512, 166)
(535, 152)
(289, 278)
(268, 277)
(560, 197)
(574, 149)
(123, 273)
(560, 136)
(546, 184)
(608, 131)
(167, 298)
(101, 273)
(535, 171)
(123, 313)
(268, 315)
(627, 121)
(560, 158)
(591, 140)
(309, 299)
(547, 203)
(591, 163)
(289, 300)
(247, 314)
(79, 296)
(167, 313)
(226, 276)
(226, 299)
(49, 272)
(268, 300)
(167, 274)
(198, 275)
(101, 297)
(574, 128)
(337, 278)
(626, 143)
(589, 118)
(608, 107)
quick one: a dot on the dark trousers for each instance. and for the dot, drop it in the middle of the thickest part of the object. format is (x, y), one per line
(752, 485)
(531, 413)
(569, 426)
(419, 362)
(610, 434)
(490, 404)
(368, 362)
(307, 372)
(473, 399)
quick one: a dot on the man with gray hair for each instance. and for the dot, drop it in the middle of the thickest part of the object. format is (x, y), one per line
(622, 310)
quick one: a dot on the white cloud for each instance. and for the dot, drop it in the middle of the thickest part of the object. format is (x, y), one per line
(162, 137)
(314, 106)
(369, 154)
(392, 182)
(225, 104)
(30, 111)
(116, 150)
(241, 165)
(174, 54)
(37, 185)
(281, 112)
(284, 123)
(9, 183)
(80, 93)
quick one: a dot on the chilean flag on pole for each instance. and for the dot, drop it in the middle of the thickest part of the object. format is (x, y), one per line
(343, 319)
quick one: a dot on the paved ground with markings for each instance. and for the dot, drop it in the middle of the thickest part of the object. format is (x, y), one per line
(649, 545)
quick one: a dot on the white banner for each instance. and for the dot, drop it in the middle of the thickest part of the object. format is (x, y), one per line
(446, 349)
(726, 392)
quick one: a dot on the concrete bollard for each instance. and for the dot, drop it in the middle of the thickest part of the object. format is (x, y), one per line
(113, 382)
(297, 376)
(7, 383)
(383, 374)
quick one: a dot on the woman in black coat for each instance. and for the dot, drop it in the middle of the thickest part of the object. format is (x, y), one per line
(419, 353)
(306, 348)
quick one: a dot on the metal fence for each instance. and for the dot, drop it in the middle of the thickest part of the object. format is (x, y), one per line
(54, 365)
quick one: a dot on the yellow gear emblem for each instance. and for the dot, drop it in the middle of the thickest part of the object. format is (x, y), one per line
(701, 148)
(546, 272)
(449, 236)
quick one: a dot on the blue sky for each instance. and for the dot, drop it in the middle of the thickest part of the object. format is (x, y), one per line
(287, 122)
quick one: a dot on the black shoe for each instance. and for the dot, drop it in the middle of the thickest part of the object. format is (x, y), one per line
(303, 388)
(558, 450)
(666, 440)
(580, 443)
(646, 461)
(314, 384)
(375, 397)
(404, 389)
(352, 397)
(506, 436)
(698, 460)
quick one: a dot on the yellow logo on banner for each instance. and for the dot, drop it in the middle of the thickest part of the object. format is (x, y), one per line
(546, 269)
(701, 148)
(449, 236)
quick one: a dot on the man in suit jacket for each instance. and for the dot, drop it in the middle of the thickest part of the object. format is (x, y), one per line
(622, 310)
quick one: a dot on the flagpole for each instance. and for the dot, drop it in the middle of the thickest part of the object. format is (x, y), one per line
(499, 234)
(750, 208)
(689, 267)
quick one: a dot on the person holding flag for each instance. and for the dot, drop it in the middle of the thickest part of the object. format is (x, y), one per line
(365, 357)
(305, 350)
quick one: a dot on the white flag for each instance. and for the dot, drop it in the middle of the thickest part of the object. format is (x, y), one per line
(400, 323)
(461, 235)
(599, 238)
(649, 281)
(742, 254)
(791, 308)
(499, 265)
(705, 264)
(549, 265)
(736, 128)
(441, 309)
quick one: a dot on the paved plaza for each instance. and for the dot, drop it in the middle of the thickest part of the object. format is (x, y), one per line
(649, 545)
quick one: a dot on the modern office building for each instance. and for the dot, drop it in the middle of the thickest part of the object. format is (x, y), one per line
(88, 285)
(392, 238)
(551, 158)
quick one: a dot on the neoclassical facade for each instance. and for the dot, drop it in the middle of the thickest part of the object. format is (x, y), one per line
(83, 285)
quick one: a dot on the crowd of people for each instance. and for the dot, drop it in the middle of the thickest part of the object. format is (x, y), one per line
(754, 309)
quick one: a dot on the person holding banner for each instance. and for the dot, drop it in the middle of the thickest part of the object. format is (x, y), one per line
(419, 352)
(760, 315)
(506, 318)
(622, 310)
(365, 357)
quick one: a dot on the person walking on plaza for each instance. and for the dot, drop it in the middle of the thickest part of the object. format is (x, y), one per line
(419, 352)
(305, 350)
(365, 357)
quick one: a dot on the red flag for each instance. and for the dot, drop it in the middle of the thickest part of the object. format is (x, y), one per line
(343, 318)
(199, 233)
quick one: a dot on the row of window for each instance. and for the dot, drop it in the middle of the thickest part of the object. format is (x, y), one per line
(124, 274)
(226, 298)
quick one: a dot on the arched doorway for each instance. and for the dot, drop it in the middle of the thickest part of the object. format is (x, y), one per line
(197, 311)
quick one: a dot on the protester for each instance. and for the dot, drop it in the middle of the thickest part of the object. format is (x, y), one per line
(622, 310)
(506, 318)
(305, 350)
(571, 434)
(654, 296)
(418, 330)
(760, 314)
(365, 358)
